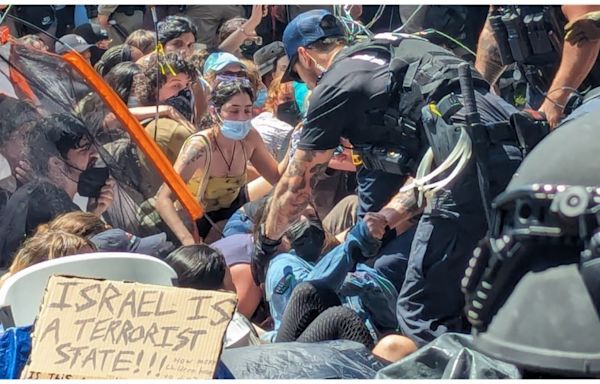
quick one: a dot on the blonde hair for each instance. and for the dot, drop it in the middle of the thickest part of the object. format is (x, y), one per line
(78, 223)
(48, 246)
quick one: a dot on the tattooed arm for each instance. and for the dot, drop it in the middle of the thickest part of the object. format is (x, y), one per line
(487, 61)
(191, 158)
(402, 211)
(292, 193)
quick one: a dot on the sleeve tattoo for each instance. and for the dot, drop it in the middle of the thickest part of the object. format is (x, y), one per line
(293, 191)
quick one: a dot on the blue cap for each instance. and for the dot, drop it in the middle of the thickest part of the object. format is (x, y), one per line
(305, 29)
(216, 61)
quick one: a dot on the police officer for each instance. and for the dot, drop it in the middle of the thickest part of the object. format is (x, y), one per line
(532, 36)
(373, 94)
(533, 288)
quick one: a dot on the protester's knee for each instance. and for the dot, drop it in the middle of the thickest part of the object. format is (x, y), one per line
(394, 347)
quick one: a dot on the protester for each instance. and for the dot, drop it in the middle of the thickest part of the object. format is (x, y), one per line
(13, 133)
(238, 35)
(220, 66)
(177, 34)
(143, 40)
(76, 42)
(169, 134)
(270, 62)
(94, 34)
(214, 161)
(116, 55)
(47, 246)
(34, 41)
(203, 267)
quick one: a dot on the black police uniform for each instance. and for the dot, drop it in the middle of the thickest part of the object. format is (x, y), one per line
(532, 36)
(357, 98)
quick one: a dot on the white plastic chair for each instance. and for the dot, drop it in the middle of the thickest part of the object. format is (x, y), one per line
(25, 289)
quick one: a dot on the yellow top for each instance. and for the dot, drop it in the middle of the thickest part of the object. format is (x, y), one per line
(219, 192)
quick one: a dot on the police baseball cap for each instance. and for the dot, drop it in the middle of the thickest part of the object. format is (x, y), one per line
(305, 29)
(76, 42)
(266, 57)
(117, 240)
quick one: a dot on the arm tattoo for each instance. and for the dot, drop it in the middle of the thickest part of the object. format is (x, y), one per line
(192, 153)
(407, 201)
(293, 191)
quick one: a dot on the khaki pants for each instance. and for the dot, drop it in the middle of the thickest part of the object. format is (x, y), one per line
(208, 18)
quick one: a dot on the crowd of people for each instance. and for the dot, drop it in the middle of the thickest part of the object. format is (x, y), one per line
(343, 179)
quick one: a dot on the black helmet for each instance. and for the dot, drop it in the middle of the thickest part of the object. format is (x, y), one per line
(533, 287)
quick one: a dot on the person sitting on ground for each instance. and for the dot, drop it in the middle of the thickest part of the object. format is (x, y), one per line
(62, 155)
(169, 134)
(271, 61)
(105, 238)
(214, 162)
(202, 267)
(222, 66)
(341, 269)
(12, 144)
(33, 41)
(47, 246)
(75, 42)
(238, 35)
(279, 118)
(143, 40)
(116, 55)
(177, 34)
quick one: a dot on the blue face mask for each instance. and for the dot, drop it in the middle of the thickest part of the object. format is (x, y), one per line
(235, 130)
(261, 98)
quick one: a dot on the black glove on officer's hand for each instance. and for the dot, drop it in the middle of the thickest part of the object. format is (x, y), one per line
(264, 250)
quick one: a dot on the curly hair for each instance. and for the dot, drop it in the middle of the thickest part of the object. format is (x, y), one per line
(174, 26)
(172, 60)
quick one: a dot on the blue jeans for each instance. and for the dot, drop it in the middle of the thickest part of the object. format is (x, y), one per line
(238, 224)
(360, 287)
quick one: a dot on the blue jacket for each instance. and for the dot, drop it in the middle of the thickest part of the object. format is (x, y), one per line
(360, 287)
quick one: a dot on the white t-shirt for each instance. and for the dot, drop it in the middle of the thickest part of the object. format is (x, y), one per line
(272, 130)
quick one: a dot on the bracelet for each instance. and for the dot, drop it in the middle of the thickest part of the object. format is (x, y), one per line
(244, 32)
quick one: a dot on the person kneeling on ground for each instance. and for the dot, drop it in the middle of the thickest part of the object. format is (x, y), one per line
(203, 267)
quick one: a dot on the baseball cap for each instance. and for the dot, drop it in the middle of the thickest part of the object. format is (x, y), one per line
(117, 240)
(265, 57)
(305, 29)
(76, 42)
(216, 61)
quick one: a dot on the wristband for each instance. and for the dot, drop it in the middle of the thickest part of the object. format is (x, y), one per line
(265, 240)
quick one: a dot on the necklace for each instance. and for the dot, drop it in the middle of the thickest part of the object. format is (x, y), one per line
(228, 163)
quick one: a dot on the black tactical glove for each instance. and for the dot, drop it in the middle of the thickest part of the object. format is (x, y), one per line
(264, 250)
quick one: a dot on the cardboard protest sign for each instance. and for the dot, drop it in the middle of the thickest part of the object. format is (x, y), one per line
(104, 329)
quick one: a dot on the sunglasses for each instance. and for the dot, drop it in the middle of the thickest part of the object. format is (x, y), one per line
(255, 39)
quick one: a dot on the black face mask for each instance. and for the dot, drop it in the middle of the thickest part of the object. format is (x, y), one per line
(289, 113)
(91, 181)
(182, 103)
(307, 238)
